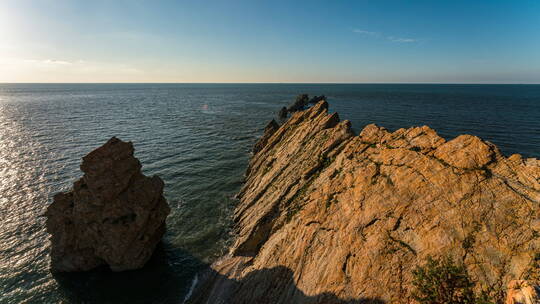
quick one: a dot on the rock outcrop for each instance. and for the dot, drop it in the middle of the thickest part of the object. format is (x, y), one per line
(352, 215)
(317, 99)
(114, 215)
(282, 114)
(522, 292)
(269, 130)
(299, 104)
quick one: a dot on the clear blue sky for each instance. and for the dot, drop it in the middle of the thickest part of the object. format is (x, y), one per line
(270, 41)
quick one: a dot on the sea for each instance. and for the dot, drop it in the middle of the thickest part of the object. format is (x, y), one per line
(197, 138)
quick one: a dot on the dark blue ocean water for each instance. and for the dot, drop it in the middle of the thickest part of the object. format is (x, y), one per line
(197, 138)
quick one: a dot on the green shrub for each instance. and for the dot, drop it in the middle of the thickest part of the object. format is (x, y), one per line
(533, 273)
(443, 282)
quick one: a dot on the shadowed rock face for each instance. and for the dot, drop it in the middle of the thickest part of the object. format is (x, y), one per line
(299, 104)
(282, 114)
(114, 215)
(317, 99)
(352, 215)
(269, 130)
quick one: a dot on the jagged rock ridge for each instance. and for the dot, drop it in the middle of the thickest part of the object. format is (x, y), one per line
(113, 216)
(352, 216)
(300, 104)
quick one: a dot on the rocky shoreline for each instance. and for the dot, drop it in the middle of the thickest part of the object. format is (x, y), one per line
(327, 216)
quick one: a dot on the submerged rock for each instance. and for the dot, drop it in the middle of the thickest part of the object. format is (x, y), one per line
(114, 215)
(349, 217)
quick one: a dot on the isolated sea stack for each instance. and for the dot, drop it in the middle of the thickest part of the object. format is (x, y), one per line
(327, 216)
(114, 215)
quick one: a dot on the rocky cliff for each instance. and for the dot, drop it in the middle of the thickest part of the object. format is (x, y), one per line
(327, 216)
(114, 215)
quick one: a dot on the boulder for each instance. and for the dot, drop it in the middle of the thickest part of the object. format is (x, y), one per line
(114, 215)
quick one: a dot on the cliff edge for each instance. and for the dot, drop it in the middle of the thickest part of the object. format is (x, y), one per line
(327, 216)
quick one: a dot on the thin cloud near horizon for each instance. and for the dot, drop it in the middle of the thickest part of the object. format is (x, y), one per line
(389, 38)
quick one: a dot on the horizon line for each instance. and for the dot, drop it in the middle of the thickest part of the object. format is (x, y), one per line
(441, 83)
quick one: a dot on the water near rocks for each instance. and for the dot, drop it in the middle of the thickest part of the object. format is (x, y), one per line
(197, 138)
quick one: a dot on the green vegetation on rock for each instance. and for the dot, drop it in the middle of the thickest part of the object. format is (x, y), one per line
(441, 281)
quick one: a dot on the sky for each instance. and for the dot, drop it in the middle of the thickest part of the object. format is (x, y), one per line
(432, 41)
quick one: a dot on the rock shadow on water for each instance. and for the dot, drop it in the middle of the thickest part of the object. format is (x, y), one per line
(166, 278)
(266, 286)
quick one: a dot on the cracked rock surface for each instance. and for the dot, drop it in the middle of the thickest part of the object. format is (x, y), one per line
(352, 215)
(114, 215)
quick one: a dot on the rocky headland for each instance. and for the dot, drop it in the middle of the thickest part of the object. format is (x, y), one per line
(114, 215)
(328, 216)
(301, 102)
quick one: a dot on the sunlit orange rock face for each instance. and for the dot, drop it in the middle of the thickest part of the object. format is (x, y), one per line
(327, 216)
(522, 292)
(114, 215)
